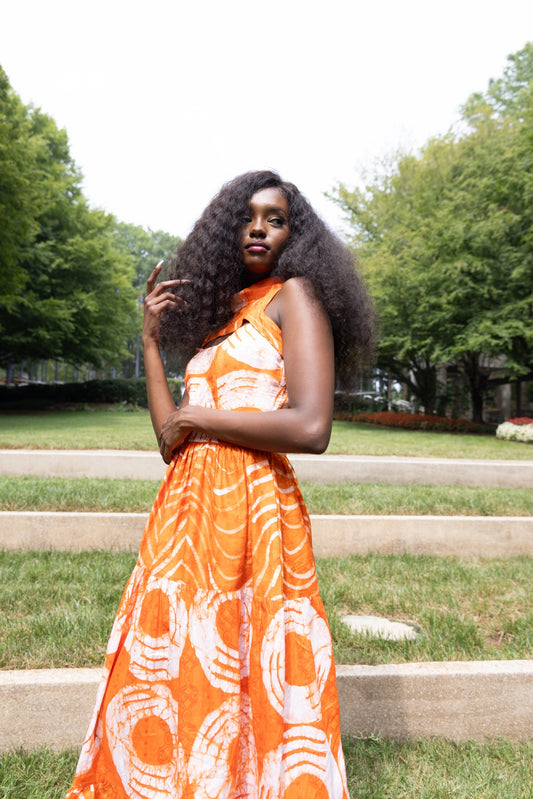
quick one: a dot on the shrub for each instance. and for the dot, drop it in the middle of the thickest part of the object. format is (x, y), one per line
(516, 430)
(416, 421)
(130, 392)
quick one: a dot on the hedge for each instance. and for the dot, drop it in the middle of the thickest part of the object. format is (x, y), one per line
(416, 421)
(130, 392)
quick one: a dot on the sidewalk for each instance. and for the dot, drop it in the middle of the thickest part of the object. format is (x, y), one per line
(460, 701)
(333, 536)
(141, 465)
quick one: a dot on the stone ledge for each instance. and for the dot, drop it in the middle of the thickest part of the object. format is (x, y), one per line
(459, 701)
(465, 536)
(140, 465)
(454, 700)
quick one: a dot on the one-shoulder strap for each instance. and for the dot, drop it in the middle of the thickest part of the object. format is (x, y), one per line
(254, 313)
(250, 307)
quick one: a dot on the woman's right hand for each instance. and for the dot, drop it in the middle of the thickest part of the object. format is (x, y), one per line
(158, 297)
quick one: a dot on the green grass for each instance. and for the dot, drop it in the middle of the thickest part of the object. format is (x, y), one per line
(80, 494)
(113, 428)
(363, 439)
(123, 428)
(464, 610)
(376, 769)
(36, 775)
(381, 499)
(435, 769)
(57, 608)
(127, 496)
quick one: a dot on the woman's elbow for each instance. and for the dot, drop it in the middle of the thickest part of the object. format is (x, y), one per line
(317, 437)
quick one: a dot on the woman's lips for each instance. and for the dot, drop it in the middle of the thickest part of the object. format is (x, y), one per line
(256, 247)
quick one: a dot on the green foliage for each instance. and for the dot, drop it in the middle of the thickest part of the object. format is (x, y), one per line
(78, 299)
(19, 191)
(445, 242)
(417, 421)
(131, 391)
(508, 96)
(67, 290)
(145, 248)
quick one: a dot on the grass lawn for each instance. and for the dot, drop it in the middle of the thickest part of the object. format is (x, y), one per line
(464, 610)
(57, 608)
(376, 769)
(112, 428)
(127, 496)
(365, 439)
(120, 428)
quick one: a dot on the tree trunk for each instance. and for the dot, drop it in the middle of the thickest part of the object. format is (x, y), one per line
(477, 382)
(477, 405)
(518, 398)
(426, 379)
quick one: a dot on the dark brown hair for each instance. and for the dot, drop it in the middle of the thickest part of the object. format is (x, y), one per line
(210, 259)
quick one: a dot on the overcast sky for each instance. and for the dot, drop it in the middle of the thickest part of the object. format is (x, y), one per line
(164, 100)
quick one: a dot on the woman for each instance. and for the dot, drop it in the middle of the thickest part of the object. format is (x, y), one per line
(219, 677)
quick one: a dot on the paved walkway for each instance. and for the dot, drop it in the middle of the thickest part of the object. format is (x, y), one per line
(454, 700)
(135, 465)
(461, 536)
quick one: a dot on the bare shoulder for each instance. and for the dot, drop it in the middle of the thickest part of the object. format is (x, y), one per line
(295, 297)
(297, 288)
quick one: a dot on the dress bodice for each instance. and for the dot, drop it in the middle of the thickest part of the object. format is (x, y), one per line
(245, 369)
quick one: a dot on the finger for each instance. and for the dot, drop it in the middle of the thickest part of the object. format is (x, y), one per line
(150, 283)
(168, 284)
(166, 288)
(157, 304)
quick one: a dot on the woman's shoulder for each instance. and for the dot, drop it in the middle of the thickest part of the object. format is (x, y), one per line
(295, 296)
(298, 289)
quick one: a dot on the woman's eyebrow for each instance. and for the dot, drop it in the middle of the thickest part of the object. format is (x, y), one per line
(274, 209)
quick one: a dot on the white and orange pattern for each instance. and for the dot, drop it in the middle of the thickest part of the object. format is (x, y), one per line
(219, 680)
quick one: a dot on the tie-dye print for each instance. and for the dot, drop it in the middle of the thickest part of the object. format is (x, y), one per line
(219, 679)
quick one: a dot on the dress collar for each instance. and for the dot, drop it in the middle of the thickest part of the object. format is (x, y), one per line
(254, 292)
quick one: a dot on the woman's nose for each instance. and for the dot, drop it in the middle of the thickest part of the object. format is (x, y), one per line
(257, 228)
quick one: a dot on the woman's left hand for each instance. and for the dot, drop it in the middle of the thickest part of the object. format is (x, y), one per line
(174, 431)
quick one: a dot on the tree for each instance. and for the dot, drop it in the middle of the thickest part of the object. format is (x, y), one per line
(19, 190)
(390, 223)
(445, 239)
(143, 249)
(72, 296)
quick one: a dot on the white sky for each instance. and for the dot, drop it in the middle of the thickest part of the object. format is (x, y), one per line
(164, 100)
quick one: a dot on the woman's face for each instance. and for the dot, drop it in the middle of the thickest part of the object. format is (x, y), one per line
(264, 233)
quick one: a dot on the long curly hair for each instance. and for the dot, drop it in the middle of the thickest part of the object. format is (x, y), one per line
(210, 260)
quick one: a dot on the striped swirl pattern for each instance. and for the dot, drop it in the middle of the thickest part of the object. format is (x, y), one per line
(219, 680)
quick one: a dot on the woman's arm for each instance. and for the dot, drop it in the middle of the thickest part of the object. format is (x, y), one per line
(305, 426)
(160, 401)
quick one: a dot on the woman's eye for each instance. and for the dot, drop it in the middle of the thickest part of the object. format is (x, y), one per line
(246, 220)
(277, 221)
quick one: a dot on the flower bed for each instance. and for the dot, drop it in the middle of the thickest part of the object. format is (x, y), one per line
(416, 421)
(520, 429)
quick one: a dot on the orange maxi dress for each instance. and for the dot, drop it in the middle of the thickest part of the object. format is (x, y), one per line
(219, 681)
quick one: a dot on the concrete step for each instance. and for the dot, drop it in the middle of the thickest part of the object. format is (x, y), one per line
(465, 536)
(136, 465)
(454, 700)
